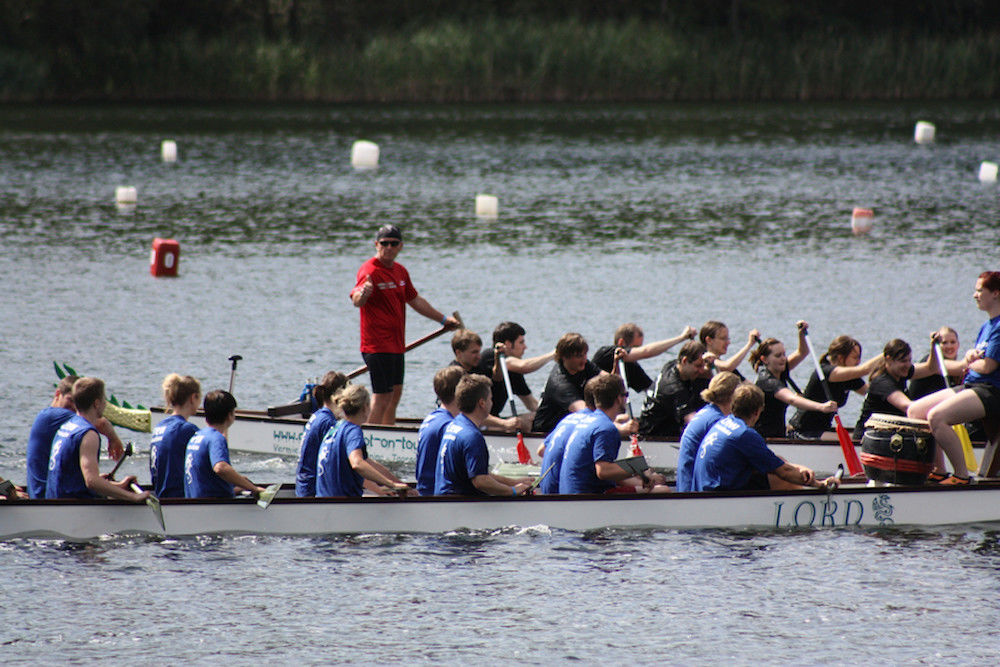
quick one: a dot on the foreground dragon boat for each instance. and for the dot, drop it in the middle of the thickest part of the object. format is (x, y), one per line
(849, 506)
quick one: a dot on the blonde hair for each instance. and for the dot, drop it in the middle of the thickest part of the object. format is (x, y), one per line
(352, 399)
(721, 387)
(178, 389)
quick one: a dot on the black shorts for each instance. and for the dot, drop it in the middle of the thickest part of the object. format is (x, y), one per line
(988, 394)
(385, 369)
(758, 482)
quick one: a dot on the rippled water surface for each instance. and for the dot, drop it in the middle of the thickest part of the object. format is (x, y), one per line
(666, 215)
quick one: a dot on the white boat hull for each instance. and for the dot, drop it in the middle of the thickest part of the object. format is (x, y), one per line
(858, 506)
(256, 433)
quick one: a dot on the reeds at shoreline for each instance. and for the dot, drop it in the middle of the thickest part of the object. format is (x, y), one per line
(519, 60)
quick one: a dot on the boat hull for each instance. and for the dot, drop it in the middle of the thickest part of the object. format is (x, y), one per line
(847, 507)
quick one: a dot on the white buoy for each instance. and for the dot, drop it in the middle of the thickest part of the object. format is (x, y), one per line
(364, 155)
(862, 220)
(125, 194)
(924, 132)
(168, 150)
(988, 172)
(486, 206)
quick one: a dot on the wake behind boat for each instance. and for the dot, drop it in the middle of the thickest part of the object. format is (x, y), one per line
(256, 432)
(849, 506)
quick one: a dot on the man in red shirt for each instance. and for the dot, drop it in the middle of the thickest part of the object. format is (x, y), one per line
(382, 292)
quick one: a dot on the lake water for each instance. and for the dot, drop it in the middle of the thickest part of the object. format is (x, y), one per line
(666, 215)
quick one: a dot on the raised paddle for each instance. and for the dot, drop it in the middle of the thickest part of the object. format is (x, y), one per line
(154, 504)
(633, 446)
(960, 430)
(360, 370)
(846, 445)
(523, 455)
(232, 373)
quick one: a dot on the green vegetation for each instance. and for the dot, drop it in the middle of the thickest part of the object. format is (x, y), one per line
(442, 51)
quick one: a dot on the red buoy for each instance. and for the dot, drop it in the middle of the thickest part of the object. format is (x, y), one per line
(163, 260)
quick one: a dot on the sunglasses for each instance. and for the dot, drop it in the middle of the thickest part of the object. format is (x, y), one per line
(388, 244)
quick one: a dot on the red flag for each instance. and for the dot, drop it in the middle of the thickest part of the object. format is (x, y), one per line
(633, 448)
(523, 456)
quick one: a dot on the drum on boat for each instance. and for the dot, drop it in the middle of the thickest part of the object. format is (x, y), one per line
(897, 450)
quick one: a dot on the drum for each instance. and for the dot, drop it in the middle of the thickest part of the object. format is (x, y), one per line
(897, 450)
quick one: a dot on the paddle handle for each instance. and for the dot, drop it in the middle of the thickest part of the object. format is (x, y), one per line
(361, 370)
(819, 369)
(506, 383)
(127, 453)
(940, 359)
(628, 399)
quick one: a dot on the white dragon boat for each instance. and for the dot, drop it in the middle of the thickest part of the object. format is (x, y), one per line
(849, 506)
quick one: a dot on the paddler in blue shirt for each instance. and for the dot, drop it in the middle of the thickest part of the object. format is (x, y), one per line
(74, 464)
(315, 430)
(554, 446)
(44, 429)
(167, 447)
(207, 472)
(733, 456)
(463, 460)
(588, 464)
(432, 429)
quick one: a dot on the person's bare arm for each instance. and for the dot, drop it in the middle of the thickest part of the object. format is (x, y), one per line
(90, 450)
(525, 366)
(229, 474)
(659, 347)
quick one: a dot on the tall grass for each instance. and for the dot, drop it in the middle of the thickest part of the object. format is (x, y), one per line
(517, 60)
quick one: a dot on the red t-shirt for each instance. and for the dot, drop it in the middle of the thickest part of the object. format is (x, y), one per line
(383, 317)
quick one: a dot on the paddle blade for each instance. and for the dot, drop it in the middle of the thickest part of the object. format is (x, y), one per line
(154, 504)
(847, 446)
(963, 437)
(523, 456)
(267, 495)
(633, 446)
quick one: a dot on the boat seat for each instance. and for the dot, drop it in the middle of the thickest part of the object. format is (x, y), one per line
(990, 465)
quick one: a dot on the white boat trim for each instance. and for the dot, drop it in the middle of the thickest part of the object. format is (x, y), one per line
(846, 507)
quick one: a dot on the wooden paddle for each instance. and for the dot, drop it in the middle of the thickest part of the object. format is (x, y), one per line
(538, 480)
(305, 407)
(154, 504)
(960, 430)
(523, 455)
(846, 444)
(360, 370)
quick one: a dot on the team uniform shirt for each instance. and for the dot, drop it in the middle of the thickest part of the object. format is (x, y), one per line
(691, 439)
(166, 456)
(987, 342)
(877, 399)
(206, 448)
(65, 478)
(729, 454)
(428, 445)
(561, 391)
(772, 421)
(43, 430)
(555, 445)
(335, 476)
(928, 385)
(810, 422)
(604, 358)
(383, 317)
(500, 399)
(315, 430)
(594, 439)
(463, 456)
(670, 401)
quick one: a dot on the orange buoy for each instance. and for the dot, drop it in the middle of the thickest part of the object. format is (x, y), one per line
(163, 259)
(862, 220)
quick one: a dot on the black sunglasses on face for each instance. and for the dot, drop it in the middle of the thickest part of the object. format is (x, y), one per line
(389, 244)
